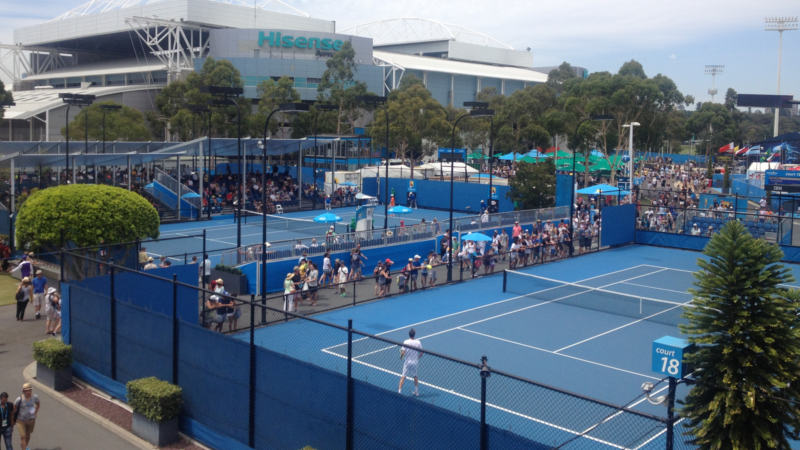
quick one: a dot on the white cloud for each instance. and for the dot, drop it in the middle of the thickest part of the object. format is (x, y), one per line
(673, 56)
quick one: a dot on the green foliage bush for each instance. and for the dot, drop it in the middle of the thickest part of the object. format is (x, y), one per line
(155, 399)
(88, 214)
(228, 269)
(52, 353)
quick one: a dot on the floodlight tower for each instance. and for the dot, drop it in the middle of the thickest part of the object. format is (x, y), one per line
(779, 24)
(714, 70)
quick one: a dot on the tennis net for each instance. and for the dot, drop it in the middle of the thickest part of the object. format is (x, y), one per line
(300, 226)
(547, 290)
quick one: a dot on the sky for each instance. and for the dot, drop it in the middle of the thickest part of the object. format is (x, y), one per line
(676, 38)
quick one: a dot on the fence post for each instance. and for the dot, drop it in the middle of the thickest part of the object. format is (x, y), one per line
(505, 279)
(355, 283)
(61, 268)
(349, 428)
(252, 382)
(112, 326)
(485, 373)
(673, 382)
(174, 328)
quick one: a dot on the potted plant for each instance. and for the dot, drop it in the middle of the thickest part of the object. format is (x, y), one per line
(235, 281)
(156, 405)
(53, 363)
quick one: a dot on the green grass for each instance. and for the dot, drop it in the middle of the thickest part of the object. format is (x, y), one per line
(8, 287)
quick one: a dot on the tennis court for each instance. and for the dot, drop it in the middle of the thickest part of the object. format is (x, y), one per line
(221, 231)
(592, 337)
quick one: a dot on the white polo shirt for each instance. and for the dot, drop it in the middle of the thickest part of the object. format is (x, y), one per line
(412, 355)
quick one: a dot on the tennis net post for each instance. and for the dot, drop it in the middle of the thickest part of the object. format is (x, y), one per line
(505, 279)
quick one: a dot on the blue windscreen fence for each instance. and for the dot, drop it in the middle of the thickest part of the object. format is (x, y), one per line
(563, 189)
(619, 225)
(435, 194)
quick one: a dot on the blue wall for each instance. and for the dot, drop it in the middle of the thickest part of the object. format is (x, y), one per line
(435, 194)
(563, 189)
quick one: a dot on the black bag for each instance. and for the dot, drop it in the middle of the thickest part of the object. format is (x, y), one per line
(20, 295)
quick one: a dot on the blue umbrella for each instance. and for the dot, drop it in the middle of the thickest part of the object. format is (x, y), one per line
(476, 237)
(348, 183)
(399, 209)
(190, 195)
(327, 217)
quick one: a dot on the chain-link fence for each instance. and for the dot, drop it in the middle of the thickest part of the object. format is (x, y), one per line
(333, 386)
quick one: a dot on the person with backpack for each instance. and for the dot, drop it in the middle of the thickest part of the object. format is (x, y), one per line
(6, 421)
(23, 296)
(26, 408)
(53, 312)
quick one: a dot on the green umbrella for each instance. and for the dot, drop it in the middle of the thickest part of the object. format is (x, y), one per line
(567, 166)
(528, 159)
(561, 154)
(476, 155)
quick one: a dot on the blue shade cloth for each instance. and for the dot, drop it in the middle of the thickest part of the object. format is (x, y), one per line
(327, 217)
(599, 189)
(618, 225)
(190, 195)
(475, 237)
(399, 209)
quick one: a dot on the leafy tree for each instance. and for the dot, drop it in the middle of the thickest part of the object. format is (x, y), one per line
(338, 85)
(747, 330)
(87, 214)
(534, 185)
(519, 123)
(413, 115)
(272, 94)
(179, 101)
(125, 124)
(557, 78)
(730, 99)
(5, 98)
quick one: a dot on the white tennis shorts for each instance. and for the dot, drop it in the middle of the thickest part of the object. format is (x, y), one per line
(410, 370)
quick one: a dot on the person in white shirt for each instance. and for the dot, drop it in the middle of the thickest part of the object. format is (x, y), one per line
(695, 230)
(410, 354)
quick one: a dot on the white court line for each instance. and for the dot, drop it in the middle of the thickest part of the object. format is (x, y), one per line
(655, 436)
(475, 400)
(659, 288)
(481, 307)
(620, 327)
(559, 354)
(670, 268)
(486, 319)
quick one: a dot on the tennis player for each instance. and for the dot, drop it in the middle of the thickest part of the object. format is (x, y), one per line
(410, 354)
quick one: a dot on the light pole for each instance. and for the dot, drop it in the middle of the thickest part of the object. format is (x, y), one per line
(482, 112)
(106, 107)
(230, 95)
(77, 100)
(286, 107)
(483, 105)
(779, 24)
(206, 167)
(318, 107)
(600, 117)
(714, 70)
(630, 149)
(378, 100)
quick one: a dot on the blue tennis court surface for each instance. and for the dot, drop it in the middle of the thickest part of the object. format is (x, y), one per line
(221, 231)
(542, 337)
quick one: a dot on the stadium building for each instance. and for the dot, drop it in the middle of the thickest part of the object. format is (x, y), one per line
(127, 50)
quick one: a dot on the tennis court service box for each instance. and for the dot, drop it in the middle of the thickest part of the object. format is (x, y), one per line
(668, 354)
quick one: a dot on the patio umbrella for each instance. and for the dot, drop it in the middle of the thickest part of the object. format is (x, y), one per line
(476, 237)
(348, 183)
(327, 217)
(567, 166)
(528, 159)
(190, 195)
(399, 209)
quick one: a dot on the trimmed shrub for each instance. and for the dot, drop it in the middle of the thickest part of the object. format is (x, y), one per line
(52, 353)
(87, 214)
(155, 399)
(228, 269)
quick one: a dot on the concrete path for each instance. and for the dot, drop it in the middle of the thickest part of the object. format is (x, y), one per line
(57, 427)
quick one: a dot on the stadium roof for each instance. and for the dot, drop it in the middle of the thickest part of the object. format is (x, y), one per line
(430, 64)
(36, 101)
(107, 68)
(101, 6)
(413, 29)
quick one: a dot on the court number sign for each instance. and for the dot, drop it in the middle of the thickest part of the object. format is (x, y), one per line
(668, 354)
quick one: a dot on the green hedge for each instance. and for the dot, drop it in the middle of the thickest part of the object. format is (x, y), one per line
(52, 353)
(88, 214)
(155, 399)
(228, 269)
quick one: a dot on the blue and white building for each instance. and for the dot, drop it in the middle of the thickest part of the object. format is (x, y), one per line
(127, 50)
